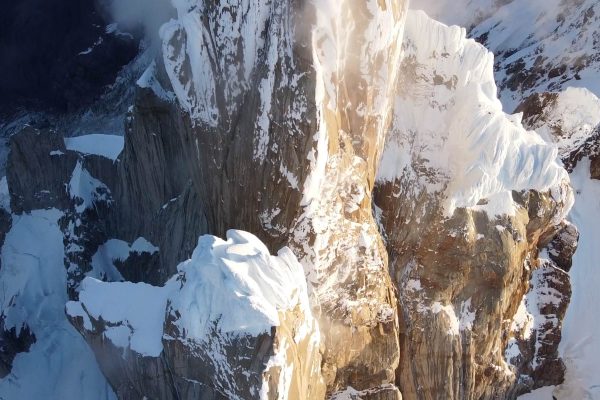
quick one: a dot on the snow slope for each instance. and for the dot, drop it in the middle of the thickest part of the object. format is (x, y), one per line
(580, 346)
(540, 45)
(59, 365)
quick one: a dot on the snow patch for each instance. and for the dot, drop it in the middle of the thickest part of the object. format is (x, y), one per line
(132, 312)
(448, 310)
(103, 261)
(109, 146)
(86, 189)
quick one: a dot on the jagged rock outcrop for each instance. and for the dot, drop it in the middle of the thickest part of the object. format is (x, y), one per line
(563, 246)
(269, 151)
(570, 119)
(37, 179)
(463, 241)
(234, 323)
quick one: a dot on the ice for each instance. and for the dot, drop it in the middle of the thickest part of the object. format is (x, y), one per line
(4, 194)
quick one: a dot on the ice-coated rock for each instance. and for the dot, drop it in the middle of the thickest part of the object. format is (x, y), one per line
(466, 197)
(234, 323)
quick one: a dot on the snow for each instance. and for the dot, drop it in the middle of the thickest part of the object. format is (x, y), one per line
(131, 310)
(59, 365)
(103, 260)
(454, 324)
(534, 28)
(467, 315)
(580, 346)
(235, 283)
(559, 32)
(86, 189)
(575, 113)
(109, 146)
(449, 122)
(238, 283)
(92, 47)
(148, 80)
(4, 194)
(456, 12)
(235, 37)
(556, 32)
(141, 245)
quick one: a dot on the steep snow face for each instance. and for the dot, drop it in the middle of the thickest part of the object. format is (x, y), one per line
(449, 128)
(59, 365)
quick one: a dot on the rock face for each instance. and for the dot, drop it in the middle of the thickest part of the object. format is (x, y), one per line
(463, 248)
(37, 179)
(423, 229)
(269, 150)
(569, 118)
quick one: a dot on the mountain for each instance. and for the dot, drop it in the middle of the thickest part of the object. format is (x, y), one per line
(310, 200)
(550, 69)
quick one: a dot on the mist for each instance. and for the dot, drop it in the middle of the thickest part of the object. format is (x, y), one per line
(457, 12)
(147, 15)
